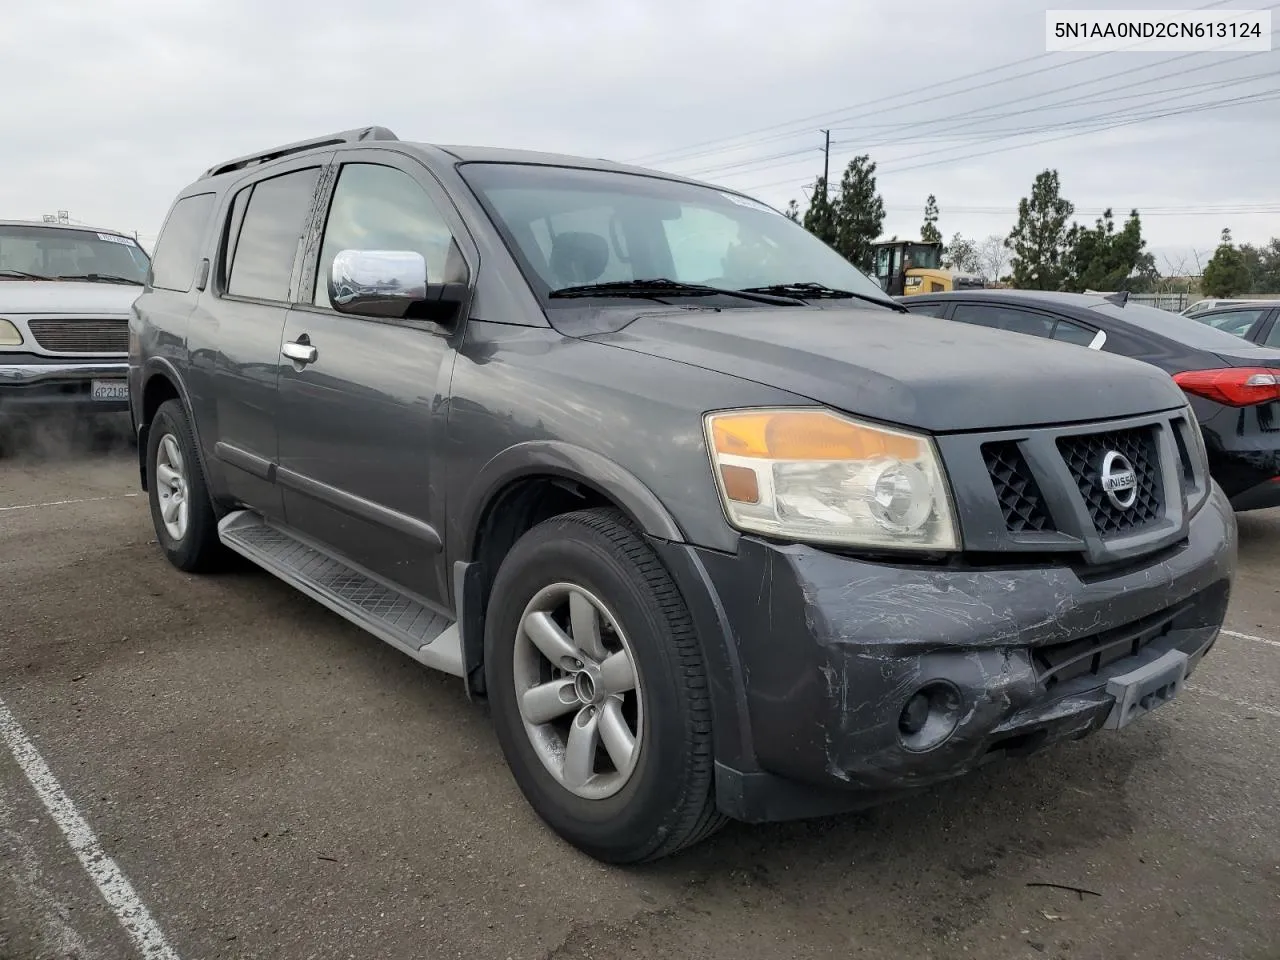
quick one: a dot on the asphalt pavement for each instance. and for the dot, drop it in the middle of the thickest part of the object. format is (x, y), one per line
(242, 774)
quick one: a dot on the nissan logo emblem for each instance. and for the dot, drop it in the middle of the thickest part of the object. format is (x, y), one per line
(1119, 481)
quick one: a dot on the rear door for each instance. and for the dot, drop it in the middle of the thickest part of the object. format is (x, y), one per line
(259, 270)
(363, 424)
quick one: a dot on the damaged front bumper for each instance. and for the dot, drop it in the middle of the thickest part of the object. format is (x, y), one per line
(862, 680)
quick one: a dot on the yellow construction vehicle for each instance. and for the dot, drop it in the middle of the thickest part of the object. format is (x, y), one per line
(907, 267)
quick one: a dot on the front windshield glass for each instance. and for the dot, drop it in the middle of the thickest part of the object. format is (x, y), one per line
(62, 252)
(922, 256)
(571, 227)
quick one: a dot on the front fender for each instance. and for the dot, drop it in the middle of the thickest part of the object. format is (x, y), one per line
(555, 458)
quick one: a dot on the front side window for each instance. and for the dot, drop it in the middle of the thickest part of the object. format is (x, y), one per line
(572, 227)
(55, 253)
(381, 208)
(267, 246)
(1236, 322)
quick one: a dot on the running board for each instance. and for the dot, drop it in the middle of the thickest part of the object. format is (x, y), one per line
(411, 627)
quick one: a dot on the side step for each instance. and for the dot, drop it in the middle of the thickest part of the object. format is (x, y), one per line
(412, 628)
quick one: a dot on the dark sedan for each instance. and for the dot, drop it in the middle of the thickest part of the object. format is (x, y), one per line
(1234, 385)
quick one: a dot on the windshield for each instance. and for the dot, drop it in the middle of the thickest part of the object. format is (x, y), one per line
(61, 252)
(570, 227)
(921, 256)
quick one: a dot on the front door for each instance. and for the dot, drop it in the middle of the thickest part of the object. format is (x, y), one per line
(363, 422)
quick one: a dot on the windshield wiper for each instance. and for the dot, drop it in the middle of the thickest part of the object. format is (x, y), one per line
(99, 278)
(818, 291)
(662, 287)
(22, 274)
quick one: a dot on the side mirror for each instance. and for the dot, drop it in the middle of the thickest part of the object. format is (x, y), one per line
(390, 283)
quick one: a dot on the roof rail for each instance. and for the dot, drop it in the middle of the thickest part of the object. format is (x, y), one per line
(275, 153)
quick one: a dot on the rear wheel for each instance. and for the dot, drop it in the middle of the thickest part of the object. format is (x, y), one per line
(598, 690)
(185, 522)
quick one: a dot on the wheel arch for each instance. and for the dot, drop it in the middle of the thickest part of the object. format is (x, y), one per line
(518, 489)
(160, 383)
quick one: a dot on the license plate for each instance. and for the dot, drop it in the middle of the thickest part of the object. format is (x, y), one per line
(110, 390)
(1140, 691)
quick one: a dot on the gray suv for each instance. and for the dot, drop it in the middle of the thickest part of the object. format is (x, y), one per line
(713, 527)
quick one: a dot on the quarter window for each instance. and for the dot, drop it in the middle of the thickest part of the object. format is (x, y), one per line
(382, 208)
(178, 247)
(274, 224)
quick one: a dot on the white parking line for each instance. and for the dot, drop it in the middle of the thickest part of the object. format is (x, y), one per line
(1249, 636)
(63, 503)
(1235, 701)
(111, 882)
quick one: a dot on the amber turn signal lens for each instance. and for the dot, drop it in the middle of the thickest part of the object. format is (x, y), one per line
(740, 483)
(807, 435)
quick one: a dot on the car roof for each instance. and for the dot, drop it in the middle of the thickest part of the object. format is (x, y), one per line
(1055, 297)
(63, 226)
(1096, 310)
(375, 136)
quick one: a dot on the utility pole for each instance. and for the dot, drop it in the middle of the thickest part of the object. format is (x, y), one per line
(826, 164)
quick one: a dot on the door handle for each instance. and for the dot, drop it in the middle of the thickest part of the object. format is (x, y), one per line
(301, 352)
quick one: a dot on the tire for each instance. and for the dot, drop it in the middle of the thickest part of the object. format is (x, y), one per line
(196, 549)
(665, 800)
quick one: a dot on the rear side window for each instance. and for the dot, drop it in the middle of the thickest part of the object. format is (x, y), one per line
(1004, 318)
(928, 309)
(274, 223)
(178, 248)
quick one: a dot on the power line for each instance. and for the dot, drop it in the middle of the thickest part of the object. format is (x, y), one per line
(678, 153)
(937, 131)
(1076, 133)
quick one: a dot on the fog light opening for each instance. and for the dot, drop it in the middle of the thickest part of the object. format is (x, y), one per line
(929, 717)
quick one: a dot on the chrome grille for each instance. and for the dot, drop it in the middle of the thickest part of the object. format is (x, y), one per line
(81, 335)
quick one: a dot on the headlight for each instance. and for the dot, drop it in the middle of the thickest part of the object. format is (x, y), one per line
(816, 476)
(9, 335)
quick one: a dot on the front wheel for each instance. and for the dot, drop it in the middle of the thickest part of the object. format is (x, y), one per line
(598, 690)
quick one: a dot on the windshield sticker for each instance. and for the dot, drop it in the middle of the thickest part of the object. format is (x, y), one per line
(749, 203)
(112, 238)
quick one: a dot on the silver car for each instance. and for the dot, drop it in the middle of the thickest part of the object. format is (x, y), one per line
(65, 295)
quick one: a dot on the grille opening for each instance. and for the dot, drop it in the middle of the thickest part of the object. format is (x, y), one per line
(77, 335)
(1180, 428)
(1020, 499)
(1084, 455)
(1058, 663)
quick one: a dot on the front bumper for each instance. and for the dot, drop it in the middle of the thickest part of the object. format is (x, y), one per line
(32, 384)
(830, 649)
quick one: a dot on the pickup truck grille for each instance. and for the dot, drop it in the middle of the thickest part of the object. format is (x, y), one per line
(81, 335)
(1020, 499)
(1084, 457)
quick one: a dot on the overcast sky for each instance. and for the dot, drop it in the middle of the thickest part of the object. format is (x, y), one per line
(113, 105)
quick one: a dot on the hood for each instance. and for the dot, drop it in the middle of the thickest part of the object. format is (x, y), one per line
(905, 369)
(66, 296)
